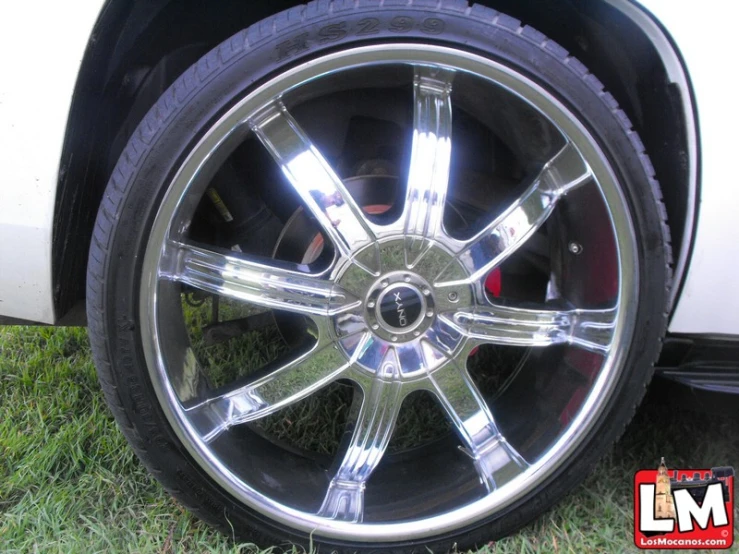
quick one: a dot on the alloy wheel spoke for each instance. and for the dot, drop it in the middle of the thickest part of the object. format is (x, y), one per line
(371, 435)
(508, 325)
(495, 459)
(506, 234)
(270, 284)
(317, 184)
(428, 177)
(270, 392)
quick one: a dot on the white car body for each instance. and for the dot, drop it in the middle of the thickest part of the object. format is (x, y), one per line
(38, 83)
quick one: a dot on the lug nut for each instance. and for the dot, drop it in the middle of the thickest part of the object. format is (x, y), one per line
(394, 338)
(430, 313)
(370, 304)
(384, 284)
(375, 326)
(575, 248)
(426, 291)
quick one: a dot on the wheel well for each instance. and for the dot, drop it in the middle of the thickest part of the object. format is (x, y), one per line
(139, 48)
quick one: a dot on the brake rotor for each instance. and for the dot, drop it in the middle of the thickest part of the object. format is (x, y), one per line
(300, 240)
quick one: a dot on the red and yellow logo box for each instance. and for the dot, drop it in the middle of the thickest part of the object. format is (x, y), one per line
(684, 508)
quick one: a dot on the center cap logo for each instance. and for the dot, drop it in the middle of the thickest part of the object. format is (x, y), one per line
(400, 307)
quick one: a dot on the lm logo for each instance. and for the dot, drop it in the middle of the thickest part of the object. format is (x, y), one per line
(684, 508)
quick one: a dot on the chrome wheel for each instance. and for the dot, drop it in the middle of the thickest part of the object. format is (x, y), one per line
(397, 302)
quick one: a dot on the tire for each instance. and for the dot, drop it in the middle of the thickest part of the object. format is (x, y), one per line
(119, 279)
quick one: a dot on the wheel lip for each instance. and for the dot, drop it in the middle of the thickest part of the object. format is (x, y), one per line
(601, 391)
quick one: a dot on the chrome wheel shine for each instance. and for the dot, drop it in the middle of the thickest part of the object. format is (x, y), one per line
(400, 307)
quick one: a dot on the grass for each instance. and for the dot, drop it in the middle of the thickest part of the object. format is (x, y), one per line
(69, 482)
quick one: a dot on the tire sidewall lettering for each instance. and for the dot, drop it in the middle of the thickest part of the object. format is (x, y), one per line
(333, 32)
(368, 26)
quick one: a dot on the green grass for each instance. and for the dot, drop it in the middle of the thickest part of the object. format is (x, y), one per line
(69, 482)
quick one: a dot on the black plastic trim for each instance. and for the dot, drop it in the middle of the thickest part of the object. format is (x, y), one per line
(707, 363)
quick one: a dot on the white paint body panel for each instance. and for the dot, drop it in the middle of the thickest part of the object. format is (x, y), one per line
(40, 63)
(709, 302)
(40, 73)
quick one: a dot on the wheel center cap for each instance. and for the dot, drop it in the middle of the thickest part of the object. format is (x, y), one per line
(400, 307)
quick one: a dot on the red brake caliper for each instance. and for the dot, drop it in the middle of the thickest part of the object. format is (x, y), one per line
(493, 284)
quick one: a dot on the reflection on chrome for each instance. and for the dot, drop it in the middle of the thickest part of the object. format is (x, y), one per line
(431, 155)
(508, 325)
(504, 236)
(313, 179)
(495, 460)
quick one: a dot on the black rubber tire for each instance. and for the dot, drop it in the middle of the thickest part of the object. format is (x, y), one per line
(211, 86)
